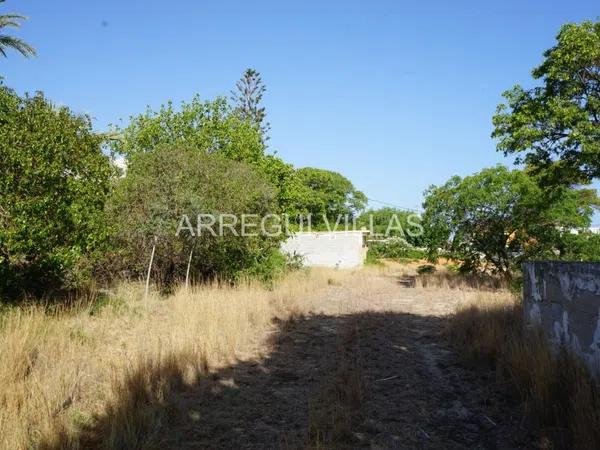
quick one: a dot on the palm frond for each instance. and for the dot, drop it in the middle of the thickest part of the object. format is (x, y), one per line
(13, 21)
(16, 44)
(13, 17)
(4, 22)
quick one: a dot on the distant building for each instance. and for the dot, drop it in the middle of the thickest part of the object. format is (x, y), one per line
(340, 249)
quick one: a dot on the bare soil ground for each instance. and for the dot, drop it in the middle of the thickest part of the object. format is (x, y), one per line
(371, 368)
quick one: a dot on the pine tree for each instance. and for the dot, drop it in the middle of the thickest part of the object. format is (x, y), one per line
(247, 98)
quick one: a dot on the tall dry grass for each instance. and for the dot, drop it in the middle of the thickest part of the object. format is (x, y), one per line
(96, 376)
(333, 409)
(560, 398)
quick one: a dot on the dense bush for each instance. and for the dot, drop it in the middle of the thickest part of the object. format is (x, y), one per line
(394, 222)
(170, 181)
(53, 185)
(495, 219)
(211, 127)
(583, 246)
(393, 248)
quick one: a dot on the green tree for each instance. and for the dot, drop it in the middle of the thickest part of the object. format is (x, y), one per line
(211, 127)
(53, 185)
(11, 42)
(208, 126)
(215, 127)
(496, 218)
(290, 191)
(581, 246)
(247, 100)
(394, 222)
(171, 181)
(323, 193)
(555, 127)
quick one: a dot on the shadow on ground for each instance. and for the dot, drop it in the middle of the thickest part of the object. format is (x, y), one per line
(368, 380)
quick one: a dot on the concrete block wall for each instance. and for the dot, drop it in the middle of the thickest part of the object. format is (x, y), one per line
(341, 249)
(564, 299)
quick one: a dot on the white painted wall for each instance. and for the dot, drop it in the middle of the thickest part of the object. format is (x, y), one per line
(343, 249)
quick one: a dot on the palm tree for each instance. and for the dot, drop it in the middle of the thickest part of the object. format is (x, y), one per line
(6, 41)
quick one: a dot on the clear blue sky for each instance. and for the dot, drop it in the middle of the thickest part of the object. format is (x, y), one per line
(394, 95)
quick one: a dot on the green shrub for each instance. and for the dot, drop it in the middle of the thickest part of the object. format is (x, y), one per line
(497, 218)
(169, 182)
(54, 183)
(394, 248)
(584, 246)
(426, 269)
(394, 222)
(453, 267)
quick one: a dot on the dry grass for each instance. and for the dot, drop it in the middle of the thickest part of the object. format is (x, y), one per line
(96, 376)
(446, 279)
(559, 396)
(333, 410)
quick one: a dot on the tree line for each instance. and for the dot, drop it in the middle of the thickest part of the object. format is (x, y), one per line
(497, 218)
(69, 215)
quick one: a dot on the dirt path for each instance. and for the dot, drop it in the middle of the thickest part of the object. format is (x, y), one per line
(370, 369)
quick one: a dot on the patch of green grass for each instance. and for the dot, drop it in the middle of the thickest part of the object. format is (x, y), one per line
(103, 302)
(80, 419)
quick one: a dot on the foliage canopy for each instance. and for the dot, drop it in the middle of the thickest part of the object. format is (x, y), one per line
(555, 127)
(496, 218)
(171, 181)
(324, 193)
(55, 181)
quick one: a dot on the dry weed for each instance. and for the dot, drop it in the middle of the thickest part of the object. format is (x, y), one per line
(97, 373)
(559, 395)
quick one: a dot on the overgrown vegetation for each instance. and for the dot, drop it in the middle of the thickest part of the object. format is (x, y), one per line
(97, 377)
(98, 373)
(71, 219)
(394, 248)
(54, 184)
(559, 396)
(497, 218)
(162, 198)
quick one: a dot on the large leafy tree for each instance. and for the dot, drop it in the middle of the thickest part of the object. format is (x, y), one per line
(247, 98)
(326, 194)
(208, 126)
(54, 180)
(496, 218)
(554, 127)
(10, 42)
(394, 222)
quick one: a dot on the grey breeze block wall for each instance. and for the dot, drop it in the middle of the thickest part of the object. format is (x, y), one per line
(564, 299)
